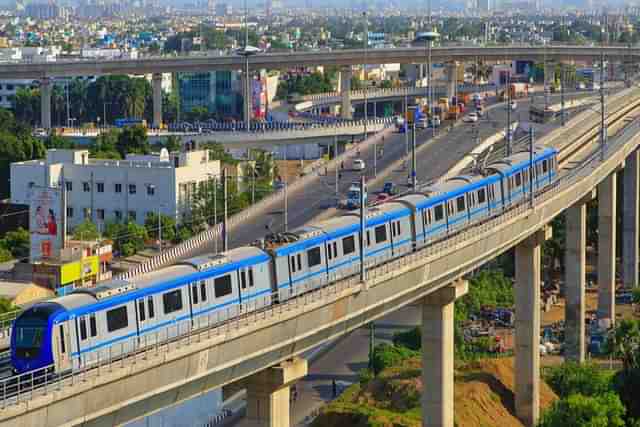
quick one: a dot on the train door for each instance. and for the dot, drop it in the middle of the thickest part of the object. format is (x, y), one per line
(297, 271)
(316, 268)
(62, 347)
(245, 286)
(146, 313)
(87, 328)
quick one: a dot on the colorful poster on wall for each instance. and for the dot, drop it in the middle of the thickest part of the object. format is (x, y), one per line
(259, 97)
(45, 221)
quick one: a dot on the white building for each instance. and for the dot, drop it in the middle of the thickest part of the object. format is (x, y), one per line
(113, 190)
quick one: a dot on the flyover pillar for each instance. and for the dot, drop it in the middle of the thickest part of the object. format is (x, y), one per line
(438, 355)
(45, 103)
(246, 97)
(527, 341)
(452, 78)
(630, 239)
(268, 394)
(607, 248)
(549, 76)
(157, 100)
(345, 93)
(575, 259)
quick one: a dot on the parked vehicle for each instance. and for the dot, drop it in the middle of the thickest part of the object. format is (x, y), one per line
(358, 165)
(470, 118)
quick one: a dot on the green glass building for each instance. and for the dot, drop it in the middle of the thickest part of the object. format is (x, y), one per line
(220, 92)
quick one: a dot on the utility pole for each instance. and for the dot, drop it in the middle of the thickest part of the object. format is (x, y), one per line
(159, 232)
(253, 178)
(215, 210)
(225, 236)
(603, 123)
(68, 112)
(406, 128)
(414, 176)
(562, 83)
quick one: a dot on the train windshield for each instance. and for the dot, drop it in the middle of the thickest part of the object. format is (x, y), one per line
(30, 329)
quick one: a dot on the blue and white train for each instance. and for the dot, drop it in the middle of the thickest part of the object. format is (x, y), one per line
(75, 330)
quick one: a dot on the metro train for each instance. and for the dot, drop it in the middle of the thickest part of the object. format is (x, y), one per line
(119, 316)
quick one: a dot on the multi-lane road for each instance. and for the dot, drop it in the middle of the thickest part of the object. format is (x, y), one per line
(434, 158)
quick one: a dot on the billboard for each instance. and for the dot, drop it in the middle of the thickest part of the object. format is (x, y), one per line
(259, 98)
(45, 219)
(75, 271)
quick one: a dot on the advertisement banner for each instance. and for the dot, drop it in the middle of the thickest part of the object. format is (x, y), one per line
(45, 221)
(78, 270)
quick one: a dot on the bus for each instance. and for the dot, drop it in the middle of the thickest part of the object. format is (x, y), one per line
(130, 122)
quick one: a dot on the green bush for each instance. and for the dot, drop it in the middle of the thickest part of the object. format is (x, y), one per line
(385, 355)
(411, 339)
(577, 410)
(571, 378)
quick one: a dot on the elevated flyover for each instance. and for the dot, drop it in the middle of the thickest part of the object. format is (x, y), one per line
(407, 55)
(121, 390)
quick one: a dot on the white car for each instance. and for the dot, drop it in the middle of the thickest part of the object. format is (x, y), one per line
(470, 118)
(358, 165)
(514, 105)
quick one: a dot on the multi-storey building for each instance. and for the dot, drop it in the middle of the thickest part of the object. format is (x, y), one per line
(220, 92)
(115, 190)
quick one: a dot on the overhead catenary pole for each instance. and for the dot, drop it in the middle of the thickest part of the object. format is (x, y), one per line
(531, 144)
(159, 232)
(562, 83)
(406, 130)
(286, 198)
(225, 236)
(335, 161)
(363, 226)
(508, 102)
(215, 210)
(603, 123)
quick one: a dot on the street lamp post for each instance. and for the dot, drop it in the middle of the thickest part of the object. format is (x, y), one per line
(430, 36)
(246, 52)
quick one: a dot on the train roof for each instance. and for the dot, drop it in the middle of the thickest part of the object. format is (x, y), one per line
(454, 187)
(233, 256)
(159, 281)
(515, 162)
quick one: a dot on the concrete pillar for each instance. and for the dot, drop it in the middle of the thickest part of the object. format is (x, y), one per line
(246, 97)
(630, 239)
(345, 93)
(438, 355)
(268, 394)
(45, 103)
(549, 73)
(157, 100)
(607, 248)
(527, 301)
(452, 77)
(575, 259)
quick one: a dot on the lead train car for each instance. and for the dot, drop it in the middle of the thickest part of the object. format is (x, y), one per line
(106, 321)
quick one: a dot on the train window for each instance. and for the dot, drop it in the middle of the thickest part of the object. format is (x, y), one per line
(203, 289)
(243, 280)
(117, 318)
(313, 257)
(150, 307)
(62, 346)
(348, 245)
(251, 277)
(482, 197)
(329, 254)
(222, 286)
(83, 328)
(518, 180)
(450, 208)
(424, 218)
(93, 326)
(141, 312)
(429, 217)
(460, 203)
(381, 234)
(438, 212)
(399, 230)
(194, 294)
(293, 264)
(172, 301)
(544, 166)
(368, 238)
(335, 249)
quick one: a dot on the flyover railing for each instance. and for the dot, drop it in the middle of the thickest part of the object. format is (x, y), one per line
(26, 387)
